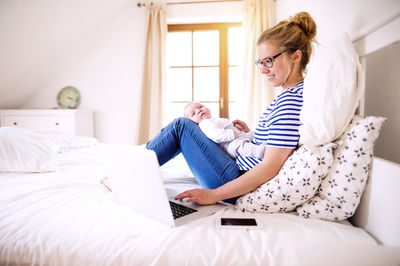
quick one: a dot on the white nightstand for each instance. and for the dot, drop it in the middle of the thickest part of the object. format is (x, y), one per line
(68, 122)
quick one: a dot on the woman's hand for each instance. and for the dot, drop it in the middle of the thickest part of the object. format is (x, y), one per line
(200, 196)
(241, 125)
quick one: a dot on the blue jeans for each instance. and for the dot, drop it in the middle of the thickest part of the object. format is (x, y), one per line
(211, 166)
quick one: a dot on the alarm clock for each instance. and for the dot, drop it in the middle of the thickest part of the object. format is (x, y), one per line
(68, 98)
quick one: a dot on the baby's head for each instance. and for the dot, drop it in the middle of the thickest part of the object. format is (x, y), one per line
(196, 112)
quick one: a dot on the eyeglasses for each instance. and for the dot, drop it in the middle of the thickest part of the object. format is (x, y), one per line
(267, 62)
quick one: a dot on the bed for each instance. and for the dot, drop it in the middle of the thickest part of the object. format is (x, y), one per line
(66, 217)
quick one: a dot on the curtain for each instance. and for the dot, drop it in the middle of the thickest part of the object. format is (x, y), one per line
(153, 85)
(257, 93)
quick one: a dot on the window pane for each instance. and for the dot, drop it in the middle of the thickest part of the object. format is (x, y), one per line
(179, 84)
(214, 108)
(206, 84)
(179, 48)
(235, 40)
(173, 111)
(206, 48)
(235, 83)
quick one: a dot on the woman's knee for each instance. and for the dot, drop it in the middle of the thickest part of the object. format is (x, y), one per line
(181, 124)
(183, 121)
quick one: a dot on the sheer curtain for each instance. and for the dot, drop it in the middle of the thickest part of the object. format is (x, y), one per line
(257, 93)
(153, 86)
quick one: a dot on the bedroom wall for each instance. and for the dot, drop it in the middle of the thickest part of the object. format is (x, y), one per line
(382, 66)
(96, 46)
(382, 99)
(334, 17)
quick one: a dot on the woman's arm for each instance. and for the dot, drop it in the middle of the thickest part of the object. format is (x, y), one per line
(272, 162)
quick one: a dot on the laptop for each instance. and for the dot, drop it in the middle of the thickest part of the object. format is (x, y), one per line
(136, 181)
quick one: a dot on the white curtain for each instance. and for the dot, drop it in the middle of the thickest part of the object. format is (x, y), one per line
(153, 86)
(257, 93)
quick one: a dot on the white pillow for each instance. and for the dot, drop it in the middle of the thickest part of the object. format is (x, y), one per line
(340, 192)
(296, 182)
(22, 151)
(332, 91)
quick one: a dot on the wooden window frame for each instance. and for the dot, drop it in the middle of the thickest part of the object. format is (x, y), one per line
(223, 57)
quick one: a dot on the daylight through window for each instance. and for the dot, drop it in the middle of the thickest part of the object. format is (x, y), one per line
(203, 65)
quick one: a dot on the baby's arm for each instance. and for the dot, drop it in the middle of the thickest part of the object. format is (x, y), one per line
(215, 131)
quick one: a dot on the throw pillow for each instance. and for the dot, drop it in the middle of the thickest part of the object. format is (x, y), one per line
(23, 150)
(340, 192)
(296, 182)
(332, 90)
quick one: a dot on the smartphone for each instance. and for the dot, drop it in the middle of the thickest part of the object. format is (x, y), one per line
(238, 222)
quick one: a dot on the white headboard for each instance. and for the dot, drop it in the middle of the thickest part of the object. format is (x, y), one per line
(378, 212)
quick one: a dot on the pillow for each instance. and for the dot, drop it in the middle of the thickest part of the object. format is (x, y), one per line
(72, 143)
(332, 91)
(340, 192)
(22, 151)
(296, 182)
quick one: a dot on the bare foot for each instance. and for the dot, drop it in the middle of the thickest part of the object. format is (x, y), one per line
(105, 183)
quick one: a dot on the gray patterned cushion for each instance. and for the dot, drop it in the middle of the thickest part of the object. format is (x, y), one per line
(341, 190)
(296, 182)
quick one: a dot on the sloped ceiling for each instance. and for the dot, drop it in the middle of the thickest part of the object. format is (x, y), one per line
(41, 38)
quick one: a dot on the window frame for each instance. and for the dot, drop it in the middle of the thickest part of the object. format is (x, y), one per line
(223, 57)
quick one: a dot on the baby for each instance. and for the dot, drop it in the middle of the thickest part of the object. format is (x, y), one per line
(223, 132)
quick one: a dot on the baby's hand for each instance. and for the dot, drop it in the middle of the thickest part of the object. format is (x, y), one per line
(238, 126)
(235, 134)
(241, 125)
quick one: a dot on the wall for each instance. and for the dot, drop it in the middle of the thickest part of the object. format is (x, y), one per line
(334, 17)
(96, 46)
(382, 66)
(382, 99)
(204, 12)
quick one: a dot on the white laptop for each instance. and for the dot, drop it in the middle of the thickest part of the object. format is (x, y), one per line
(135, 178)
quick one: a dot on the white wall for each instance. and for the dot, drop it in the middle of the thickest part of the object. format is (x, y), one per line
(382, 92)
(335, 17)
(98, 46)
(204, 13)
(109, 77)
(95, 45)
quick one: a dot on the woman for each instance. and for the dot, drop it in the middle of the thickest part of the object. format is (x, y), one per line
(284, 51)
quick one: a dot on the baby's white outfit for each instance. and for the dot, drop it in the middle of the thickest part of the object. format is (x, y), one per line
(220, 130)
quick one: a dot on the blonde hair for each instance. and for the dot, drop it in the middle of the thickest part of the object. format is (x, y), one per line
(293, 34)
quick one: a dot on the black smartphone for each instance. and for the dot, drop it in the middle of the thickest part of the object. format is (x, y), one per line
(238, 222)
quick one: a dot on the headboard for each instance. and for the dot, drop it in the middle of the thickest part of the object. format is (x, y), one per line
(378, 212)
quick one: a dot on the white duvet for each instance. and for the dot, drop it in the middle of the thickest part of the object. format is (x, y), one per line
(69, 218)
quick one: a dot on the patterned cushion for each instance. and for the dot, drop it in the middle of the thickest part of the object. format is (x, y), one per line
(296, 182)
(341, 190)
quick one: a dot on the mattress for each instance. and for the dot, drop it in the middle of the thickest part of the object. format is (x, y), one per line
(68, 218)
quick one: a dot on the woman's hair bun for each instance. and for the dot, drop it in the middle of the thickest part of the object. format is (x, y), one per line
(305, 22)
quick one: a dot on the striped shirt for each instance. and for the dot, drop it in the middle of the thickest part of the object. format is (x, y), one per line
(279, 125)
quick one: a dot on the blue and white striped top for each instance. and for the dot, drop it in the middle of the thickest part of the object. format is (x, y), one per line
(279, 125)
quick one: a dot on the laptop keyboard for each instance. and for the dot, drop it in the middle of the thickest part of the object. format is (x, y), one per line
(180, 210)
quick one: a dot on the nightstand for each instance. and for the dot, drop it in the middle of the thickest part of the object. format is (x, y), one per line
(67, 122)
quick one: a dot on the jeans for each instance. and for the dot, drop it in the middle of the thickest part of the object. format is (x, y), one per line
(210, 165)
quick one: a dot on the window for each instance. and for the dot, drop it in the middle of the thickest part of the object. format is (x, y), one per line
(203, 66)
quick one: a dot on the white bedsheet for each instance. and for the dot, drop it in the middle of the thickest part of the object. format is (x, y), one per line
(69, 218)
